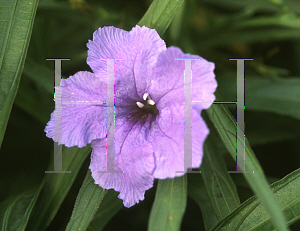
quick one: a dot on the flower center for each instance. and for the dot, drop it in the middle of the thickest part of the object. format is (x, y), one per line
(148, 105)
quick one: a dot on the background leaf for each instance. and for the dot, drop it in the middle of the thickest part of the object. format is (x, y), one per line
(218, 183)
(280, 95)
(225, 124)
(109, 207)
(56, 187)
(15, 30)
(197, 191)
(160, 14)
(87, 203)
(15, 212)
(287, 194)
(169, 204)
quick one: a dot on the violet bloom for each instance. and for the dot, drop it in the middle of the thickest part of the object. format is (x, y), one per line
(149, 109)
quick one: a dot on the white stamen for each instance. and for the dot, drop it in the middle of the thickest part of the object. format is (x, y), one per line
(150, 101)
(145, 96)
(140, 105)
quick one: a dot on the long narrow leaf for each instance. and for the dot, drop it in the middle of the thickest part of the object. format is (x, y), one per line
(109, 207)
(15, 212)
(169, 204)
(226, 127)
(40, 74)
(56, 187)
(280, 96)
(87, 203)
(197, 191)
(31, 102)
(259, 35)
(160, 14)
(16, 21)
(287, 193)
(219, 185)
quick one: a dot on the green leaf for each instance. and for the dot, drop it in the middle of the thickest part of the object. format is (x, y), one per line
(40, 74)
(287, 193)
(109, 207)
(249, 5)
(219, 185)
(35, 90)
(87, 203)
(160, 14)
(16, 21)
(278, 95)
(32, 101)
(226, 127)
(177, 23)
(35, 94)
(56, 187)
(169, 204)
(285, 20)
(15, 212)
(261, 131)
(198, 192)
(281, 96)
(259, 35)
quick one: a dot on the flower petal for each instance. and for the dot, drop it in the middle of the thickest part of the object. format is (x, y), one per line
(133, 156)
(167, 90)
(168, 141)
(138, 50)
(167, 85)
(83, 111)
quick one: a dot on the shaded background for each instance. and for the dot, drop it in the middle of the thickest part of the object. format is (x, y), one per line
(267, 31)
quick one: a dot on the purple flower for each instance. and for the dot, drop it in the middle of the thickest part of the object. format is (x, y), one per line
(149, 109)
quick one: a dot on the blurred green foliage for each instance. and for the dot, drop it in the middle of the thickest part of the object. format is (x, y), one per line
(266, 30)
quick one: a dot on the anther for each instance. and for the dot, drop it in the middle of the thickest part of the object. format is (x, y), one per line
(145, 96)
(139, 104)
(150, 101)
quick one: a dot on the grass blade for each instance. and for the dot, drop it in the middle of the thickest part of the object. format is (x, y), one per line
(219, 185)
(56, 187)
(16, 21)
(15, 212)
(197, 191)
(225, 124)
(109, 207)
(160, 14)
(169, 204)
(287, 193)
(87, 203)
